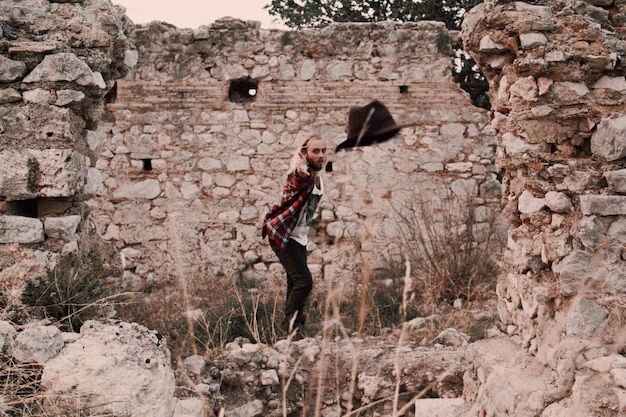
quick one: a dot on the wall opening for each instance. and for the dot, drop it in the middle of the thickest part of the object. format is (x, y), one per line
(404, 89)
(36, 207)
(243, 90)
(111, 95)
(24, 208)
(147, 164)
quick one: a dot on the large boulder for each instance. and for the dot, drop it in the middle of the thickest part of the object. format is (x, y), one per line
(114, 368)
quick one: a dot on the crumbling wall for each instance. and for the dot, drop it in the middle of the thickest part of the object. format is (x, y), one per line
(557, 87)
(192, 163)
(58, 60)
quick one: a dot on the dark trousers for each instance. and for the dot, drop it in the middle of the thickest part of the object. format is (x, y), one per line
(293, 258)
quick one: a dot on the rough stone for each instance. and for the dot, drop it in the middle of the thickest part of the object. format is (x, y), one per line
(7, 336)
(609, 139)
(586, 318)
(148, 189)
(189, 407)
(61, 67)
(616, 180)
(11, 70)
(113, 368)
(532, 40)
(530, 204)
(61, 227)
(37, 344)
(603, 205)
(558, 202)
(18, 229)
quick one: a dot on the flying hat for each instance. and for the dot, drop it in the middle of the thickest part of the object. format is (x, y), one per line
(370, 124)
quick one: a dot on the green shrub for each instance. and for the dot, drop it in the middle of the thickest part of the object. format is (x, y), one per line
(77, 289)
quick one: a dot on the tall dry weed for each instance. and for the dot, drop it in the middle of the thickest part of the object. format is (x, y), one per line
(451, 242)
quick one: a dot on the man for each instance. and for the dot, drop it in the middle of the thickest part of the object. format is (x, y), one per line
(287, 224)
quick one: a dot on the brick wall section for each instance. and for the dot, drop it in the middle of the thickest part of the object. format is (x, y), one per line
(280, 96)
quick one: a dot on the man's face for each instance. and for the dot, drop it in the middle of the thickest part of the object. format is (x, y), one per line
(316, 154)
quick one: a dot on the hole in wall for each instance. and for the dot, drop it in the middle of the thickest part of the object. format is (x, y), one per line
(404, 89)
(147, 164)
(585, 149)
(243, 90)
(37, 207)
(25, 208)
(111, 95)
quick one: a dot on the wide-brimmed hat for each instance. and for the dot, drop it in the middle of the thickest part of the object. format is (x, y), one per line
(375, 121)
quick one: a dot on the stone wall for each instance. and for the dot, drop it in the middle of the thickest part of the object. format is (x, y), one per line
(557, 88)
(191, 161)
(58, 60)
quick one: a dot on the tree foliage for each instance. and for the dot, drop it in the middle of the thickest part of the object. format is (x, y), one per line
(300, 14)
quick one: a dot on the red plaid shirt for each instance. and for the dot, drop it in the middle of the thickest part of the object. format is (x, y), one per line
(282, 218)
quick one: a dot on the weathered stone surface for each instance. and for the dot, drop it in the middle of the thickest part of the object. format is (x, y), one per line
(515, 145)
(616, 180)
(440, 407)
(61, 227)
(34, 125)
(17, 229)
(37, 343)
(66, 97)
(149, 189)
(7, 336)
(115, 368)
(488, 45)
(9, 95)
(592, 231)
(18, 175)
(61, 67)
(532, 40)
(194, 364)
(11, 70)
(558, 202)
(609, 140)
(501, 392)
(586, 318)
(252, 408)
(603, 205)
(611, 83)
(530, 204)
(189, 407)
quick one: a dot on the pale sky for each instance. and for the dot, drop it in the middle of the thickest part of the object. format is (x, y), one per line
(194, 13)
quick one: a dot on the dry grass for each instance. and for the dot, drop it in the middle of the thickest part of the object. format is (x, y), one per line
(451, 243)
(378, 300)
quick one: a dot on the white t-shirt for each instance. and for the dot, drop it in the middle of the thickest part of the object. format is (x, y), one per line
(300, 233)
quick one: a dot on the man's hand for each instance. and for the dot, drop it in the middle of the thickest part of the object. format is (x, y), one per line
(302, 168)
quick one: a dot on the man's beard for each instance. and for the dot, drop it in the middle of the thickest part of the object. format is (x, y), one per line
(314, 166)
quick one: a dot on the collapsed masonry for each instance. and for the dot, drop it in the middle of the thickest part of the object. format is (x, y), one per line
(557, 89)
(58, 61)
